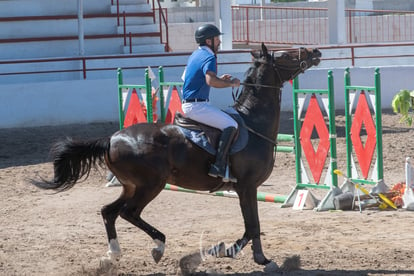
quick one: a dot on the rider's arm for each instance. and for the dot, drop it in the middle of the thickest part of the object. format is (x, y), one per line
(225, 81)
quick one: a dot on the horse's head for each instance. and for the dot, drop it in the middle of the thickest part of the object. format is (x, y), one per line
(287, 64)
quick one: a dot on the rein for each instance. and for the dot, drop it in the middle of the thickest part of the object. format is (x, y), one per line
(260, 135)
(235, 93)
(259, 85)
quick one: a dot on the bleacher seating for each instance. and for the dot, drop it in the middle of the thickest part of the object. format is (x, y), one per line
(43, 28)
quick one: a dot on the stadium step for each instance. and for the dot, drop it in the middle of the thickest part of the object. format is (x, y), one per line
(139, 29)
(145, 34)
(132, 8)
(145, 49)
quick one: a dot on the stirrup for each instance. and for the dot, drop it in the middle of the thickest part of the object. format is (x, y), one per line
(228, 177)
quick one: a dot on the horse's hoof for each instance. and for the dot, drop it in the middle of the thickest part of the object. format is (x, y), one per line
(271, 267)
(156, 254)
(114, 256)
(106, 266)
(158, 251)
(218, 250)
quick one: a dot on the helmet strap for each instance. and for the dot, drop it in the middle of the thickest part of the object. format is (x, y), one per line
(211, 46)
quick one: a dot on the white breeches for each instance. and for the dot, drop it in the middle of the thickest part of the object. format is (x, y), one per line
(208, 114)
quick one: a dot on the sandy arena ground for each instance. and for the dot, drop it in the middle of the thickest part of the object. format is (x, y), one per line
(63, 234)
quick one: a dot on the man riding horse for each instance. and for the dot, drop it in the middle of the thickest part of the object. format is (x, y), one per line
(144, 157)
(200, 75)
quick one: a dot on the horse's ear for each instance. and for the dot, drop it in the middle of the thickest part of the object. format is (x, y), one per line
(255, 54)
(264, 50)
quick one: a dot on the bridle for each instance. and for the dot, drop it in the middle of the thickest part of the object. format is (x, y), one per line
(301, 68)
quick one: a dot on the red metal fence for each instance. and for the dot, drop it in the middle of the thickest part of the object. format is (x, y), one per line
(309, 26)
(337, 55)
(371, 35)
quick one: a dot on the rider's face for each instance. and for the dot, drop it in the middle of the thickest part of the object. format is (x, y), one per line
(217, 43)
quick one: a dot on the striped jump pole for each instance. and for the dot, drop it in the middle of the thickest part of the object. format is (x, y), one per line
(261, 196)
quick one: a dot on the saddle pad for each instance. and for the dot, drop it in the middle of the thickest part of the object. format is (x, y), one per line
(200, 139)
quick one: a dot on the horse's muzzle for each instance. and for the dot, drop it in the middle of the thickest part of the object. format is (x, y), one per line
(316, 55)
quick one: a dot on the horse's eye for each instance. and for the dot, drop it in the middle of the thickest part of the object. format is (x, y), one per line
(285, 55)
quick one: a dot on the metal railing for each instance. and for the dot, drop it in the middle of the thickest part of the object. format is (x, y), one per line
(162, 20)
(309, 26)
(350, 55)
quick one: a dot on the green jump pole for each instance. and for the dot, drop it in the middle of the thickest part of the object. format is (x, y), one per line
(332, 128)
(285, 137)
(161, 91)
(149, 96)
(296, 127)
(170, 85)
(378, 121)
(348, 110)
(120, 99)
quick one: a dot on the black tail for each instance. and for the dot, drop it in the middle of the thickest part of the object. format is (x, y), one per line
(73, 160)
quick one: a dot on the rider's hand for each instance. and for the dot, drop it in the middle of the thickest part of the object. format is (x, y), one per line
(235, 82)
(226, 77)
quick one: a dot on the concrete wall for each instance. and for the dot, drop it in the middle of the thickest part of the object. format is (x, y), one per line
(180, 32)
(86, 101)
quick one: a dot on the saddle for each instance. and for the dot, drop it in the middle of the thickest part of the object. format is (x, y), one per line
(207, 137)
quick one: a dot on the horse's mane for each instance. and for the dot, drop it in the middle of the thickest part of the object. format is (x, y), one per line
(250, 77)
(251, 73)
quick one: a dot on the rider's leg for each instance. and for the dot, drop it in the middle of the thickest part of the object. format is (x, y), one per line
(213, 116)
(218, 169)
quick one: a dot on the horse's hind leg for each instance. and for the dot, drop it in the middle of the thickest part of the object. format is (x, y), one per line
(131, 212)
(110, 213)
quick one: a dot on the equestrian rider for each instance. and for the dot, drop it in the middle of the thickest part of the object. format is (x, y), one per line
(200, 75)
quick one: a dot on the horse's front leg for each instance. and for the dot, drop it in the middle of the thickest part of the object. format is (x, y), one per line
(249, 208)
(220, 250)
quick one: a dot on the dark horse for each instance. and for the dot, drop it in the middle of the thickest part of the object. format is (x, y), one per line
(144, 157)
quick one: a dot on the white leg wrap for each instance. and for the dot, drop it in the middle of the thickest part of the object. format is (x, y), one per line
(114, 252)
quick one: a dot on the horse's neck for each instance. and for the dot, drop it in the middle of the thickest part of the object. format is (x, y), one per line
(261, 110)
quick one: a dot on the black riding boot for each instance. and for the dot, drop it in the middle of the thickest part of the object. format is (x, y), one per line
(218, 169)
